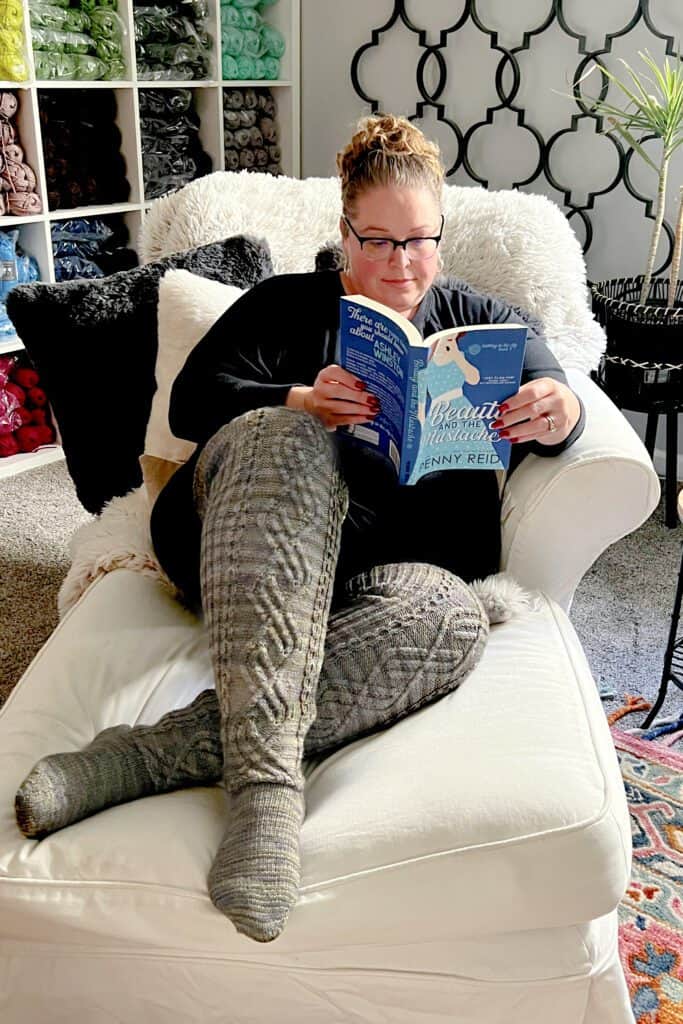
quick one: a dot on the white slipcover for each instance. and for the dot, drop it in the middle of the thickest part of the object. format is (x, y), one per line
(463, 866)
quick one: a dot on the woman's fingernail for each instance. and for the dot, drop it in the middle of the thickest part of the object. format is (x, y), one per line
(360, 384)
(503, 433)
(503, 408)
(497, 424)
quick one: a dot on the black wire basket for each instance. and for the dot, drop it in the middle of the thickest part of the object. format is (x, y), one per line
(643, 364)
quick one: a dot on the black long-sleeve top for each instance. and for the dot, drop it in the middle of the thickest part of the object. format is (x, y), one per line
(280, 334)
(285, 329)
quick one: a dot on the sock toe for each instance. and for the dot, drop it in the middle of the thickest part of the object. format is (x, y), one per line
(38, 804)
(254, 879)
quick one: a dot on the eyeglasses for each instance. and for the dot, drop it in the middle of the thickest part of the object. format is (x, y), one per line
(382, 248)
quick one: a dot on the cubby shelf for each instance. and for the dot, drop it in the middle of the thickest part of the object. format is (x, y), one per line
(34, 230)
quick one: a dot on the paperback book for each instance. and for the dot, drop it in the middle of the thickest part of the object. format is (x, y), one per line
(439, 395)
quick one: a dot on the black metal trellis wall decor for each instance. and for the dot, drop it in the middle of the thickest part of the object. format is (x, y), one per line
(508, 69)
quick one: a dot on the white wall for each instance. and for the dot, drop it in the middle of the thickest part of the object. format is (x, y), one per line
(333, 30)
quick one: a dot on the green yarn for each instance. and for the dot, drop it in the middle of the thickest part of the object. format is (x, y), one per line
(230, 18)
(248, 18)
(230, 70)
(273, 42)
(252, 44)
(233, 42)
(271, 68)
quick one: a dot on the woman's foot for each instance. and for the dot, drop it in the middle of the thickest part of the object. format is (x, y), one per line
(123, 763)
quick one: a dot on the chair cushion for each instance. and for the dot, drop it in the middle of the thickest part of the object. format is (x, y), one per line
(94, 344)
(500, 808)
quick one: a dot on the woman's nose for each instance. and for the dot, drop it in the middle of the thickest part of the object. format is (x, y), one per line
(399, 256)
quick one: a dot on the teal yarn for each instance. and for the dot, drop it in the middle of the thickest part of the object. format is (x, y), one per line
(273, 42)
(233, 42)
(230, 70)
(247, 68)
(230, 18)
(248, 18)
(253, 47)
(271, 67)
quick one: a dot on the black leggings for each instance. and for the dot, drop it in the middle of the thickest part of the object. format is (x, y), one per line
(450, 518)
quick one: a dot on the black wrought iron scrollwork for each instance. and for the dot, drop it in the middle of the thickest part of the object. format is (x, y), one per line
(509, 66)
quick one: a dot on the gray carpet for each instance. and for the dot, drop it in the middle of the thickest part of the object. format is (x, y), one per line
(621, 611)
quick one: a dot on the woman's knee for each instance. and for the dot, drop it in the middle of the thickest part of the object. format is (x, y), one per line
(411, 606)
(410, 592)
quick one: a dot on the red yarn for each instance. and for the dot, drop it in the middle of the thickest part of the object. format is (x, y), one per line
(14, 389)
(8, 446)
(46, 434)
(29, 438)
(6, 364)
(9, 422)
(25, 377)
(39, 417)
(25, 414)
(36, 397)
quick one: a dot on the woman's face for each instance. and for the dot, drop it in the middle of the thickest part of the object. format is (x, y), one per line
(389, 211)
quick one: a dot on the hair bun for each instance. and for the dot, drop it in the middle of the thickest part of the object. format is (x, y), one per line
(388, 149)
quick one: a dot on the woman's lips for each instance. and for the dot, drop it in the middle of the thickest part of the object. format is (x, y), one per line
(406, 280)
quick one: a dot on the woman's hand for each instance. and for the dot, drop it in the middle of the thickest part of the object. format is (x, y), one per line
(337, 398)
(532, 403)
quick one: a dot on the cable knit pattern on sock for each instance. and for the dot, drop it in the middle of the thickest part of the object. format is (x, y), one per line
(409, 634)
(272, 503)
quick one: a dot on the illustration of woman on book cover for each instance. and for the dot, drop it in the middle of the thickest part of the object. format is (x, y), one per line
(443, 431)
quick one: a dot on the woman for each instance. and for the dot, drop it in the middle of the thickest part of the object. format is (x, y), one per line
(318, 592)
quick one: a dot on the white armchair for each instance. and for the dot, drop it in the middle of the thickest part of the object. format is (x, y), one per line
(465, 864)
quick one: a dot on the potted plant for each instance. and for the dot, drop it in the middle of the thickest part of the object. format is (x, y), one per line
(643, 316)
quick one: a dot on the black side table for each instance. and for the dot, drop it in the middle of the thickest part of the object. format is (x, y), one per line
(673, 658)
(669, 407)
(670, 486)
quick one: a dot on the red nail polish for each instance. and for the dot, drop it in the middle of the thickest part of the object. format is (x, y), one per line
(503, 433)
(360, 384)
(503, 408)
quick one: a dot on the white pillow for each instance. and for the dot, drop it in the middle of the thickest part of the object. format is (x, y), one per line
(188, 306)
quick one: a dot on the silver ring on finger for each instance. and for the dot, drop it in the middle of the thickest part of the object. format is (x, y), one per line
(551, 422)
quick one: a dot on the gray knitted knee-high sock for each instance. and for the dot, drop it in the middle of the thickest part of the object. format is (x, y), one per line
(408, 635)
(122, 763)
(272, 502)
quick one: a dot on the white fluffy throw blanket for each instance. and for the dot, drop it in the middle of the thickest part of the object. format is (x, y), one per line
(514, 245)
(118, 538)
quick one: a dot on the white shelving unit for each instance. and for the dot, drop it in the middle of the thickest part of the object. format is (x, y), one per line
(34, 231)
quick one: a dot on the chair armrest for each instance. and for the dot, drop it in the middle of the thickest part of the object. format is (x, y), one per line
(559, 514)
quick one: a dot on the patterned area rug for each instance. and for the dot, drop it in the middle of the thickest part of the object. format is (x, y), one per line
(651, 912)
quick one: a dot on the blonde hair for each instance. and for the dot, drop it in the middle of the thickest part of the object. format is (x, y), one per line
(388, 150)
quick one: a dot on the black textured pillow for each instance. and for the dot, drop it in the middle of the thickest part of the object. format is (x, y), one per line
(94, 344)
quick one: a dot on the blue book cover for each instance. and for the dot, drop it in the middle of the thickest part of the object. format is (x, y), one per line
(439, 395)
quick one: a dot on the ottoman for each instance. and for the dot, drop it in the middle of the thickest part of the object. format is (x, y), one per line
(464, 865)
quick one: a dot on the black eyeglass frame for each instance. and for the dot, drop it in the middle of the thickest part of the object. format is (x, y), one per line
(394, 242)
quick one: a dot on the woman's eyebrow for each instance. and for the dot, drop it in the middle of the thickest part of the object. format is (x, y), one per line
(374, 227)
